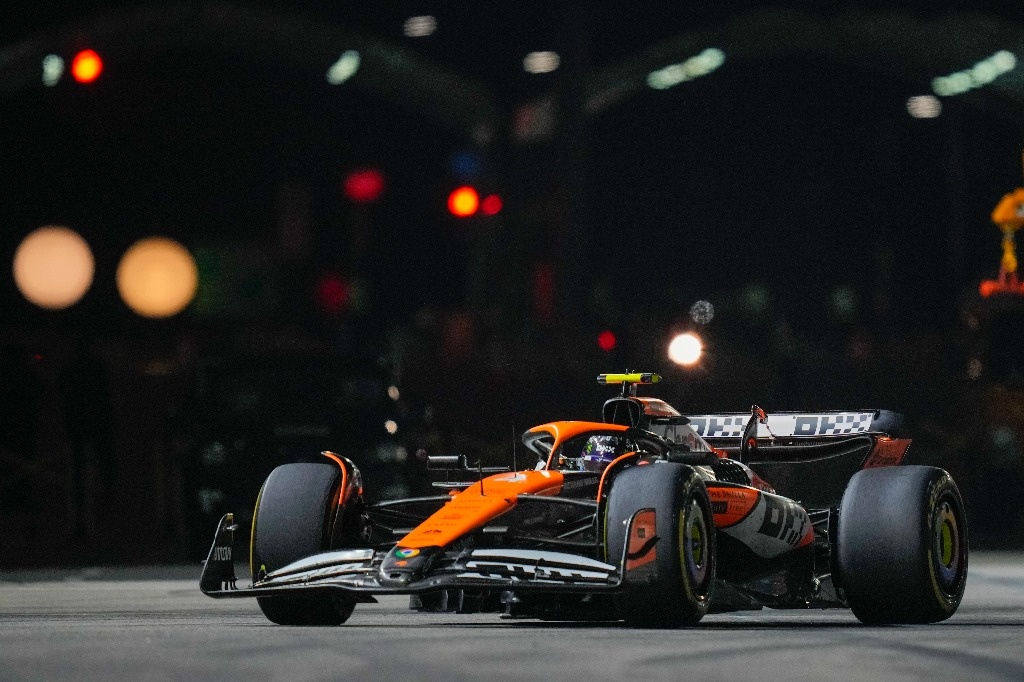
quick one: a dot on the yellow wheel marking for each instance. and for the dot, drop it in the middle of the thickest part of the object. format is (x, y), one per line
(948, 544)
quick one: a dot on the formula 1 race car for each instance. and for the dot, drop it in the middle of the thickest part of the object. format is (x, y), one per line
(648, 516)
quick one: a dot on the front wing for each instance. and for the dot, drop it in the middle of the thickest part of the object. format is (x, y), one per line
(356, 572)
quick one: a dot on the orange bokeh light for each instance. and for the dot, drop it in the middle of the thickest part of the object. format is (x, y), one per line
(53, 267)
(157, 277)
(86, 66)
(463, 202)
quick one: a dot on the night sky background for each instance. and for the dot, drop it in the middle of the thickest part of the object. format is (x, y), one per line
(840, 240)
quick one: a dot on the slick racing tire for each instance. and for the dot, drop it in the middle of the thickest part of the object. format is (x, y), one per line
(668, 572)
(293, 518)
(902, 545)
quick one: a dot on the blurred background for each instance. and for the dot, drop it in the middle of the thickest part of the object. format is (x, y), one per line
(236, 234)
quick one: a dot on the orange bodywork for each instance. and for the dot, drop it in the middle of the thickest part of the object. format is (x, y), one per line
(473, 507)
(476, 505)
(481, 502)
(643, 548)
(344, 475)
(888, 452)
(733, 504)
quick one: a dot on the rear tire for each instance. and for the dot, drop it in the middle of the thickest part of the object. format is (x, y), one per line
(295, 512)
(674, 588)
(902, 545)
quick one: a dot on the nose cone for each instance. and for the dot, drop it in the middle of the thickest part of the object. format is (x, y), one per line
(405, 565)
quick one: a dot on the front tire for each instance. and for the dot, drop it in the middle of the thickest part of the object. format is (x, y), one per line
(902, 545)
(294, 518)
(669, 577)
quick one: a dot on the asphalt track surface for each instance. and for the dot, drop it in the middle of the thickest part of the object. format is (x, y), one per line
(154, 624)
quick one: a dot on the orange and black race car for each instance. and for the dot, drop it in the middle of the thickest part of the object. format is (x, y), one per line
(648, 516)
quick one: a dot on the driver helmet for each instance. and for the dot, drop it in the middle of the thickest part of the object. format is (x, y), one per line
(599, 451)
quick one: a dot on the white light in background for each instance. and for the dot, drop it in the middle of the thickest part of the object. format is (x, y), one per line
(694, 67)
(982, 73)
(53, 69)
(541, 62)
(393, 392)
(685, 349)
(419, 27)
(924, 106)
(391, 426)
(344, 68)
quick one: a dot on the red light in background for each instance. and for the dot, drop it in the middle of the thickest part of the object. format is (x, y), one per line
(606, 340)
(86, 66)
(364, 186)
(463, 202)
(491, 205)
(333, 294)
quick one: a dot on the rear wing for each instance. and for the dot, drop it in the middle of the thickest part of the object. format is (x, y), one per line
(810, 456)
(724, 426)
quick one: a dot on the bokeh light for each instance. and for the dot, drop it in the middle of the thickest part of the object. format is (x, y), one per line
(694, 67)
(844, 302)
(981, 74)
(419, 27)
(157, 277)
(463, 202)
(924, 106)
(702, 312)
(685, 349)
(53, 267)
(86, 66)
(606, 340)
(491, 205)
(53, 69)
(364, 186)
(333, 293)
(343, 69)
(543, 61)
